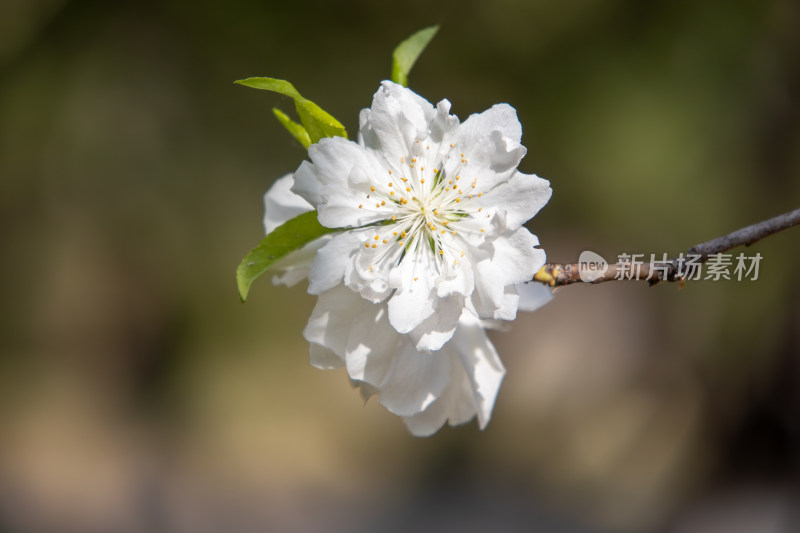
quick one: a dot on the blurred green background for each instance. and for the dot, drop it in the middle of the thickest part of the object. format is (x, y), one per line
(138, 394)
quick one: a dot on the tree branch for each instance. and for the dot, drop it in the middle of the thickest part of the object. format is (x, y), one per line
(558, 275)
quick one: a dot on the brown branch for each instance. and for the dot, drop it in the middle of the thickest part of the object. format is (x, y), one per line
(558, 275)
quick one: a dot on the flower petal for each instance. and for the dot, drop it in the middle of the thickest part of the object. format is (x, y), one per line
(520, 198)
(414, 380)
(476, 375)
(329, 323)
(413, 300)
(372, 343)
(281, 204)
(338, 181)
(438, 328)
(499, 117)
(398, 117)
(293, 267)
(533, 295)
(513, 259)
(482, 365)
(334, 261)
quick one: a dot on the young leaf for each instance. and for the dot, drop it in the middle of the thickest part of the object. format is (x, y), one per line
(316, 122)
(286, 238)
(297, 130)
(407, 52)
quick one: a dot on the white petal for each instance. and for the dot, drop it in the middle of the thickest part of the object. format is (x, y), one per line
(489, 159)
(334, 261)
(513, 259)
(281, 204)
(324, 358)
(413, 301)
(294, 267)
(345, 325)
(500, 117)
(338, 181)
(306, 184)
(372, 343)
(414, 380)
(437, 329)
(398, 117)
(482, 365)
(329, 323)
(475, 380)
(520, 198)
(533, 295)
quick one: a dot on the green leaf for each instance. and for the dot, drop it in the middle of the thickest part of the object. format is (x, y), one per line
(297, 130)
(407, 52)
(317, 123)
(286, 238)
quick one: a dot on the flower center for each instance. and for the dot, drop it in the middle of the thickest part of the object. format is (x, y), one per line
(429, 205)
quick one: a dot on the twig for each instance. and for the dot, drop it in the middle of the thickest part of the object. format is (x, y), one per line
(558, 275)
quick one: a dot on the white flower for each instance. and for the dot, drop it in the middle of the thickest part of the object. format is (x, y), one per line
(433, 250)
(436, 208)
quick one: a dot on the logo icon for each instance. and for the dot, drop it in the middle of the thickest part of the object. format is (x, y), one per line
(591, 266)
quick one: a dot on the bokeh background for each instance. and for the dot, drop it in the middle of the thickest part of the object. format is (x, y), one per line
(138, 394)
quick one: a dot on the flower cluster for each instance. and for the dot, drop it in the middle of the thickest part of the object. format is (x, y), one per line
(431, 250)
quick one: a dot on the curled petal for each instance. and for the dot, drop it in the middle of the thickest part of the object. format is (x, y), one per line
(281, 204)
